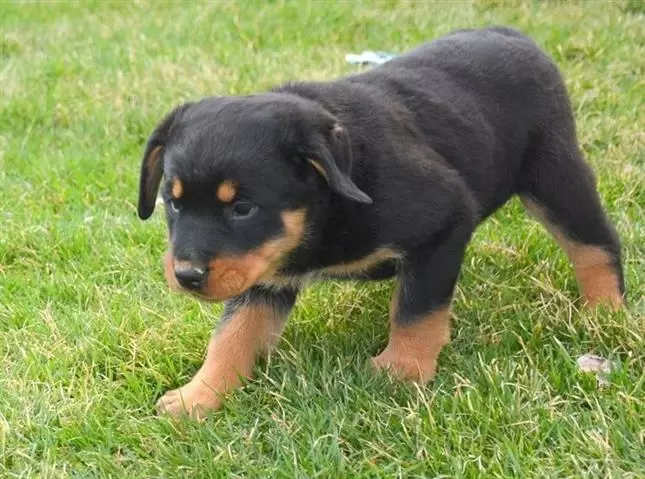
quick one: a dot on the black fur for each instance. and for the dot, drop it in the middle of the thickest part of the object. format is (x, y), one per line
(415, 154)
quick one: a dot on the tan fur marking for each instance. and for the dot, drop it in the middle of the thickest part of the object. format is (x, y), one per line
(595, 274)
(363, 264)
(593, 268)
(230, 358)
(177, 188)
(274, 251)
(359, 266)
(233, 275)
(394, 303)
(413, 348)
(169, 270)
(226, 191)
(318, 168)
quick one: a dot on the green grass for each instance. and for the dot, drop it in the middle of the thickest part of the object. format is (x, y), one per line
(90, 337)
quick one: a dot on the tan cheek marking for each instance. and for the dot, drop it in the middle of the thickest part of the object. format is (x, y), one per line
(294, 225)
(593, 267)
(226, 191)
(413, 348)
(177, 188)
(169, 271)
(231, 276)
(274, 251)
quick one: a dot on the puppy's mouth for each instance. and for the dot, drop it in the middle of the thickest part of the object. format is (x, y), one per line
(228, 276)
(223, 279)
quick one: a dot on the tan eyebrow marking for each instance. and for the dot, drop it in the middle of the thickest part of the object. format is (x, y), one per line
(177, 188)
(226, 191)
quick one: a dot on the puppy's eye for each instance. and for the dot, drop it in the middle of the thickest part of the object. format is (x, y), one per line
(243, 209)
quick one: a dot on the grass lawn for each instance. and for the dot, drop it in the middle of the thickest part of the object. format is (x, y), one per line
(90, 336)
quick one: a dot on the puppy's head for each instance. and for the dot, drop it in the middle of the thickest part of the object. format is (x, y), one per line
(239, 177)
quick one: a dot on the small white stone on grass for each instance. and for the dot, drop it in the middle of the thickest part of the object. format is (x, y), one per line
(590, 363)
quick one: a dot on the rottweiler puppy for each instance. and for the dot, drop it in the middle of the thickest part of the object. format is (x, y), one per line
(381, 174)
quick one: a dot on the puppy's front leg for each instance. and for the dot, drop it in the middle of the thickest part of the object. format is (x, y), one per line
(420, 307)
(251, 324)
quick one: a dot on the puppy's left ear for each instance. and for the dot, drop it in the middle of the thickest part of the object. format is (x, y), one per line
(331, 155)
(152, 164)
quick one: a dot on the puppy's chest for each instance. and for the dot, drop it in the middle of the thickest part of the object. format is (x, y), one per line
(379, 264)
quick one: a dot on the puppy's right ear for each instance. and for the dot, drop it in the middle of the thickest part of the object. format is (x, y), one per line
(152, 164)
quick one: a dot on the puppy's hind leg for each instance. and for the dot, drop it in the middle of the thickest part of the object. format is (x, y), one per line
(559, 189)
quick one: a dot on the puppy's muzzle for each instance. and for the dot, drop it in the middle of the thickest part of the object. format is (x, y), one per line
(191, 277)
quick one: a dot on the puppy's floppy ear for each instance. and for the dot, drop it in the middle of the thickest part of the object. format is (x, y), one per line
(152, 164)
(330, 154)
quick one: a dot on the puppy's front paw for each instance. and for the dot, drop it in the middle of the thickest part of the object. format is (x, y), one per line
(404, 367)
(194, 399)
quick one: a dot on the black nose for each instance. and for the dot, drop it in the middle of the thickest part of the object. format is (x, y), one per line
(191, 277)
